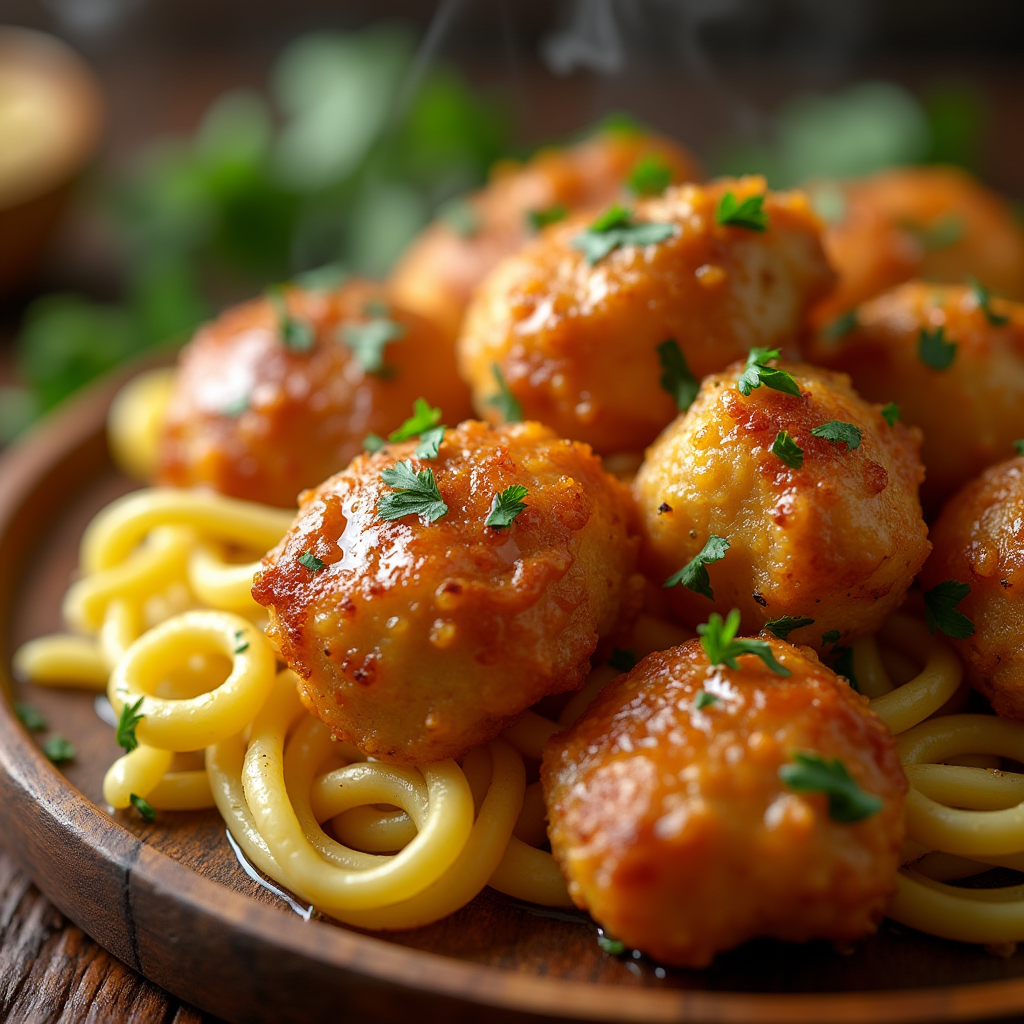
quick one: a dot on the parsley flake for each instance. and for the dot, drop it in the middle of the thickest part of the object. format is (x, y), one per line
(842, 665)
(29, 716)
(126, 724)
(783, 626)
(236, 407)
(373, 443)
(839, 432)
(749, 214)
(757, 372)
(430, 442)
(504, 401)
(841, 326)
(616, 227)
(461, 216)
(506, 506)
(322, 279)
(788, 450)
(368, 340)
(1018, 446)
(622, 659)
(676, 377)
(241, 644)
(694, 575)
(890, 413)
(59, 750)
(296, 333)
(424, 416)
(613, 947)
(942, 232)
(809, 772)
(650, 176)
(984, 300)
(933, 350)
(310, 561)
(537, 220)
(416, 493)
(940, 609)
(704, 699)
(831, 637)
(721, 647)
(144, 807)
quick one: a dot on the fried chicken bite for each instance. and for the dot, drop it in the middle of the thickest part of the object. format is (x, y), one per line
(575, 335)
(968, 399)
(440, 270)
(418, 637)
(938, 223)
(802, 505)
(278, 393)
(979, 542)
(675, 829)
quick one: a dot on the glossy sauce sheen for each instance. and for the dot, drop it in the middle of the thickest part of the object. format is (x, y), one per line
(421, 639)
(674, 829)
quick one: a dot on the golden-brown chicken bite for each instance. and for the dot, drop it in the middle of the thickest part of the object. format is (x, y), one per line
(827, 528)
(675, 829)
(979, 543)
(278, 393)
(577, 341)
(938, 223)
(440, 270)
(968, 399)
(418, 637)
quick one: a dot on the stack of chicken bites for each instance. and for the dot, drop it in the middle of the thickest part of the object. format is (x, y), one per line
(673, 590)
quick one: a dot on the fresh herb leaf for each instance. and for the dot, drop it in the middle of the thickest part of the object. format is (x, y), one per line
(613, 947)
(504, 401)
(811, 773)
(461, 216)
(236, 407)
(891, 413)
(322, 279)
(126, 724)
(933, 349)
(373, 443)
(144, 807)
(749, 214)
(430, 442)
(369, 339)
(694, 575)
(58, 749)
(1018, 446)
(841, 326)
(650, 176)
(424, 416)
(940, 609)
(616, 227)
(942, 232)
(842, 665)
(676, 377)
(788, 450)
(241, 644)
(296, 333)
(506, 506)
(310, 561)
(831, 637)
(984, 301)
(622, 659)
(29, 716)
(785, 625)
(757, 372)
(703, 699)
(537, 220)
(416, 494)
(840, 433)
(721, 647)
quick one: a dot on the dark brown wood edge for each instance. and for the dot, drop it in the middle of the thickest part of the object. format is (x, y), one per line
(171, 924)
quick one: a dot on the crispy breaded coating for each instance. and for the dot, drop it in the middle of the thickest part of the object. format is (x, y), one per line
(418, 640)
(837, 539)
(674, 829)
(256, 419)
(577, 342)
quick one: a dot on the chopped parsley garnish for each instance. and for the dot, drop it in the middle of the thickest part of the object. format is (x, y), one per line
(676, 377)
(506, 506)
(694, 575)
(310, 561)
(236, 407)
(144, 807)
(984, 300)
(841, 326)
(616, 227)
(58, 749)
(622, 659)
(1018, 446)
(831, 637)
(891, 413)
(840, 433)
(721, 647)
(537, 220)
(370, 338)
(504, 401)
(424, 416)
(29, 716)
(461, 216)
(809, 772)
(241, 644)
(940, 609)
(785, 625)
(650, 176)
(296, 333)
(749, 214)
(126, 724)
(322, 279)
(933, 350)
(757, 372)
(430, 442)
(842, 665)
(613, 947)
(703, 699)
(416, 493)
(942, 232)
(373, 443)
(788, 450)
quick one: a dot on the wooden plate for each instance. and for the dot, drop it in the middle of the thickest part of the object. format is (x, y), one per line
(172, 901)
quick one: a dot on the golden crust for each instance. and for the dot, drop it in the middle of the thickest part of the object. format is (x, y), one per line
(420, 640)
(297, 416)
(984, 384)
(979, 541)
(577, 344)
(675, 831)
(838, 540)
